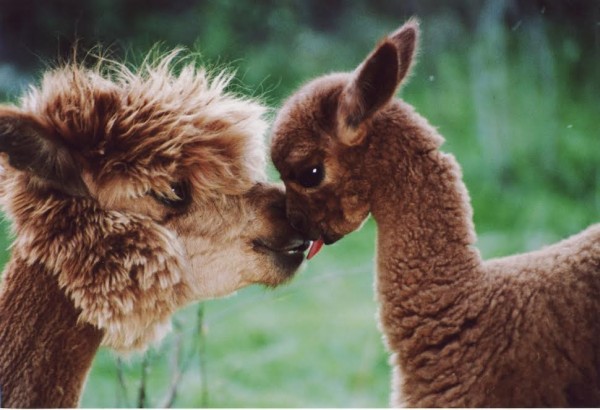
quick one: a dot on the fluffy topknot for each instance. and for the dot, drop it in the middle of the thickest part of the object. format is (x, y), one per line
(168, 116)
(128, 133)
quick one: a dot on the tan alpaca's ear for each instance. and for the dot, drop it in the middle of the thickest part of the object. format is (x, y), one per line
(30, 149)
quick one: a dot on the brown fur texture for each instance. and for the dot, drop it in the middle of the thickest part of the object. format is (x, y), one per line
(517, 331)
(131, 194)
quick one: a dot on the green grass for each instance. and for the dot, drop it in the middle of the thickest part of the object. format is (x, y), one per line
(311, 343)
(525, 133)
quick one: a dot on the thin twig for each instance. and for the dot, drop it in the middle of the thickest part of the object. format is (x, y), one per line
(180, 362)
(123, 397)
(175, 366)
(201, 328)
(142, 389)
(173, 390)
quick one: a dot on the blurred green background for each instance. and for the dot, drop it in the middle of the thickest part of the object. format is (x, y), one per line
(513, 86)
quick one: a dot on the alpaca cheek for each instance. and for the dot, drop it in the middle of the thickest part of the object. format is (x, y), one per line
(231, 271)
(355, 210)
(209, 270)
(216, 274)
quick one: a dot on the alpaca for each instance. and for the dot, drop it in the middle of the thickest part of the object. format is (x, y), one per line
(518, 331)
(131, 194)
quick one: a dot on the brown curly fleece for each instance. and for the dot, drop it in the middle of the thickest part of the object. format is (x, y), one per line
(131, 194)
(517, 331)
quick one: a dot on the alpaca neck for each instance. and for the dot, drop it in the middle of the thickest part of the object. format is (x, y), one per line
(45, 354)
(426, 262)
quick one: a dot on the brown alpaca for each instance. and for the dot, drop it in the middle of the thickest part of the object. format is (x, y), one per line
(517, 331)
(131, 194)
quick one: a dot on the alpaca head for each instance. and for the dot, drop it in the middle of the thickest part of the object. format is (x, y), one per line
(143, 191)
(323, 130)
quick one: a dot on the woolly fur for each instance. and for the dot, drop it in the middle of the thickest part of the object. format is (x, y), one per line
(142, 131)
(520, 331)
(133, 193)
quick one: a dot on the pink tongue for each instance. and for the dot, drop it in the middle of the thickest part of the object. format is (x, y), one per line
(315, 247)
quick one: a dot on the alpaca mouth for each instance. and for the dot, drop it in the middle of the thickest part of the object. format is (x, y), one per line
(317, 244)
(288, 256)
(294, 247)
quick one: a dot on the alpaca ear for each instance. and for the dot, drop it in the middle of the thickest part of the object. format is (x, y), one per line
(375, 81)
(30, 149)
(373, 84)
(406, 41)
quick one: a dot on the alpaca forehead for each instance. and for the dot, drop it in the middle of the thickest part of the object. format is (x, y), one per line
(322, 86)
(307, 120)
(316, 102)
(293, 148)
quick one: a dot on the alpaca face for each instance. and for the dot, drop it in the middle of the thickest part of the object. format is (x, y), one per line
(327, 194)
(321, 139)
(142, 192)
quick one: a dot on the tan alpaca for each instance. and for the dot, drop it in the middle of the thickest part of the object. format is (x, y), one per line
(131, 194)
(517, 331)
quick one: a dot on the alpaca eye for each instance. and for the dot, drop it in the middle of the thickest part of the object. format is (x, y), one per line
(311, 177)
(182, 192)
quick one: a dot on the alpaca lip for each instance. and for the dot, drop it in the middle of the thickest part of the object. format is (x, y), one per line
(294, 247)
(297, 248)
(288, 257)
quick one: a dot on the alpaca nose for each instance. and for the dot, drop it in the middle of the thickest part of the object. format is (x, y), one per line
(298, 221)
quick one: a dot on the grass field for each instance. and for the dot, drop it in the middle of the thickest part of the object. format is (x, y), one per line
(520, 114)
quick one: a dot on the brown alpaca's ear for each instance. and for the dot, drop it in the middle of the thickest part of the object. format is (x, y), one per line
(373, 84)
(406, 41)
(30, 149)
(375, 81)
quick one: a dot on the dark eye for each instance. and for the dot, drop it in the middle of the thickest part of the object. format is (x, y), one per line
(180, 190)
(311, 177)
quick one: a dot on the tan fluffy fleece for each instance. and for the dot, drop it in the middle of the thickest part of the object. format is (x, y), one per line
(142, 131)
(518, 331)
(131, 194)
